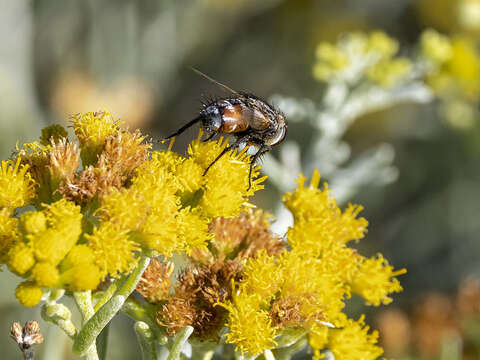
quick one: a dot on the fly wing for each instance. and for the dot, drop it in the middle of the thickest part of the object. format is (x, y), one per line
(256, 119)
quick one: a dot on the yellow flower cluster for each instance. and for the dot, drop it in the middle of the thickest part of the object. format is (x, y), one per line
(455, 65)
(362, 56)
(307, 285)
(92, 222)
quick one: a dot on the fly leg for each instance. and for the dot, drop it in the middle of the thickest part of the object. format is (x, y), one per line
(183, 128)
(227, 149)
(209, 137)
(263, 149)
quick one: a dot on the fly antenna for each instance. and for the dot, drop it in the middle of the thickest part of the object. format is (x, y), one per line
(223, 86)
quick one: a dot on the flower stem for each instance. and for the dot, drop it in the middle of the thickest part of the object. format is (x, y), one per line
(102, 342)
(180, 340)
(59, 315)
(92, 328)
(146, 340)
(84, 303)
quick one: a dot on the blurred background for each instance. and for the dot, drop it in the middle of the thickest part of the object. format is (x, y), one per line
(407, 152)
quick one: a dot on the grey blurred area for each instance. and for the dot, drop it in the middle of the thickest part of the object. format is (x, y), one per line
(420, 192)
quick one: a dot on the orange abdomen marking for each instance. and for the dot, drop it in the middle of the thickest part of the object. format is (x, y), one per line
(233, 119)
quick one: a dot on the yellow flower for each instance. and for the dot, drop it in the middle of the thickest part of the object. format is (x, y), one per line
(318, 220)
(329, 60)
(382, 44)
(45, 274)
(250, 327)
(435, 47)
(79, 272)
(353, 342)
(92, 129)
(375, 279)
(49, 165)
(262, 276)
(82, 277)
(28, 293)
(64, 226)
(318, 339)
(20, 258)
(127, 209)
(389, 73)
(16, 184)
(459, 74)
(8, 233)
(115, 253)
(80, 254)
(32, 222)
(193, 229)
(226, 182)
(464, 65)
(322, 291)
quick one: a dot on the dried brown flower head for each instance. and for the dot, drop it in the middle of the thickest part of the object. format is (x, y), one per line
(155, 283)
(468, 297)
(122, 153)
(286, 312)
(28, 336)
(50, 165)
(241, 237)
(396, 331)
(433, 321)
(199, 288)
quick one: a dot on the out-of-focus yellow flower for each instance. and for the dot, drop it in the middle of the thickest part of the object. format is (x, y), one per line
(360, 56)
(382, 44)
(435, 46)
(353, 341)
(16, 184)
(375, 279)
(457, 70)
(329, 60)
(389, 73)
(28, 293)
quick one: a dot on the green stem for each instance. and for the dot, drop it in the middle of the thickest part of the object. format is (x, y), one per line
(180, 340)
(146, 340)
(102, 342)
(139, 313)
(59, 315)
(92, 328)
(84, 303)
(107, 294)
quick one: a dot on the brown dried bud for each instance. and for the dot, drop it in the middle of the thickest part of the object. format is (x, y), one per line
(155, 282)
(16, 333)
(199, 288)
(243, 236)
(31, 334)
